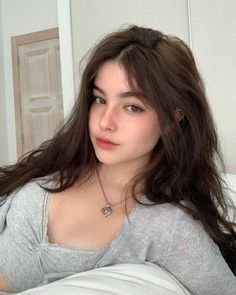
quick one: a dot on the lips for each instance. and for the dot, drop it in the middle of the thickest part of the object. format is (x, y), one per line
(105, 143)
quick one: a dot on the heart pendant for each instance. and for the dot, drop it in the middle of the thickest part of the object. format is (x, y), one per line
(107, 210)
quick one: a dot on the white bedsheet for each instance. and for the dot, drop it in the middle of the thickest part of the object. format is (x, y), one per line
(120, 279)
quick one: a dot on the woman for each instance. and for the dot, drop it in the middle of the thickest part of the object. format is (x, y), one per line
(131, 177)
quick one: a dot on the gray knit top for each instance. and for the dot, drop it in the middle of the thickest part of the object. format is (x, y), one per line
(162, 234)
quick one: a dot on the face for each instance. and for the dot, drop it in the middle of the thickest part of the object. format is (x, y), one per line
(123, 129)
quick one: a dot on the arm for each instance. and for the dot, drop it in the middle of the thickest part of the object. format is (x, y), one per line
(195, 260)
(19, 239)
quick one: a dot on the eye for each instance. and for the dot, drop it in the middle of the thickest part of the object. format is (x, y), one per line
(99, 100)
(134, 109)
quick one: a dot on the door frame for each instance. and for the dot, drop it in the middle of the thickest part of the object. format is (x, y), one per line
(17, 41)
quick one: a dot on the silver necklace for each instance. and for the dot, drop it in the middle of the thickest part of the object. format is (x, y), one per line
(108, 209)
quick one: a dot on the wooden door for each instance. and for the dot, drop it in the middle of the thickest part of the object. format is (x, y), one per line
(38, 101)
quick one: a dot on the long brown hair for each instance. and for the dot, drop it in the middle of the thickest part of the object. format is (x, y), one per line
(184, 166)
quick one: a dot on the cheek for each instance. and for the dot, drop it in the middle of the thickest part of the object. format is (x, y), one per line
(152, 133)
(152, 138)
(89, 123)
(91, 120)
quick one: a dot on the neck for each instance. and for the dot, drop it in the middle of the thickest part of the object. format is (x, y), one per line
(116, 177)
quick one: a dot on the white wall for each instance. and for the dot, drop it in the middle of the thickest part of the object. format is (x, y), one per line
(19, 17)
(214, 45)
(66, 54)
(3, 122)
(91, 20)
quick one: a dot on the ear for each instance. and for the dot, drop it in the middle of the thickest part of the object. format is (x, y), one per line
(179, 115)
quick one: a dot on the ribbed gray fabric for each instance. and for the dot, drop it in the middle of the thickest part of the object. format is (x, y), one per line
(162, 234)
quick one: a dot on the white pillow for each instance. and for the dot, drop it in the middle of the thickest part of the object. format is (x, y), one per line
(119, 279)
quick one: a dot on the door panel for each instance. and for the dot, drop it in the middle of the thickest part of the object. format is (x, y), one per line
(41, 105)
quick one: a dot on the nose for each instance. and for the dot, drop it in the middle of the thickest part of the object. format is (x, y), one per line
(108, 120)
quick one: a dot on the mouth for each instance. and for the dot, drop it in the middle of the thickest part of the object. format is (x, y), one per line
(105, 143)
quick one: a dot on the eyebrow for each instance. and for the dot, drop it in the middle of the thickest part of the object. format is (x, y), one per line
(121, 95)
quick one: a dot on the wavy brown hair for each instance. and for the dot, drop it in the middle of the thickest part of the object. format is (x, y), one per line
(184, 166)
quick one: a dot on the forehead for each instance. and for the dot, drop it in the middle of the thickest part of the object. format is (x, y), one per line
(112, 71)
(112, 75)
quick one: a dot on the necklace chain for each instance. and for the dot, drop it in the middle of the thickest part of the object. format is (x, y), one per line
(107, 210)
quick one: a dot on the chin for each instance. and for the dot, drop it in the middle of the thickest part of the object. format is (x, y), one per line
(116, 161)
(108, 161)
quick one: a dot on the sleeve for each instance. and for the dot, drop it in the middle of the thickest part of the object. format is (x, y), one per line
(20, 238)
(196, 261)
(5, 204)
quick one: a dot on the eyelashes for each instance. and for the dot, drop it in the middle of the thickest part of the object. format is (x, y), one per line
(130, 107)
(134, 109)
